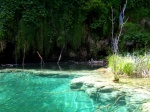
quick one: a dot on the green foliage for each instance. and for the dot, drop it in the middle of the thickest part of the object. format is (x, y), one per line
(96, 16)
(41, 24)
(134, 32)
(139, 9)
(131, 65)
(44, 25)
(148, 64)
(128, 69)
(60, 41)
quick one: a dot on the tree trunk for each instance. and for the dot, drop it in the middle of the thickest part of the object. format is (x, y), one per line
(116, 39)
(42, 62)
(24, 51)
(60, 54)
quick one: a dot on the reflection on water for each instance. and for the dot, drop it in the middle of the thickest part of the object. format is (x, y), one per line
(54, 66)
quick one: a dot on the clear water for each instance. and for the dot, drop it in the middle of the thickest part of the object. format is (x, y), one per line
(25, 92)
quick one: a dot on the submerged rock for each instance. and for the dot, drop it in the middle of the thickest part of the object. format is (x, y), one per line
(92, 92)
(75, 84)
(110, 93)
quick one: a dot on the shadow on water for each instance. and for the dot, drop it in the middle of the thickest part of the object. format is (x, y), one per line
(53, 66)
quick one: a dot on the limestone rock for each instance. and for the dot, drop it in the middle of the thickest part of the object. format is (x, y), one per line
(76, 85)
(107, 89)
(145, 107)
(131, 98)
(92, 92)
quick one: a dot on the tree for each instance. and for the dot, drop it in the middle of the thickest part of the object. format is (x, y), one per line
(116, 38)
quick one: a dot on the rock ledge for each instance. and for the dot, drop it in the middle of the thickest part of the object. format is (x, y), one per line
(106, 92)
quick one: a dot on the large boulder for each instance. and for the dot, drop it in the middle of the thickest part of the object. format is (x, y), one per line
(76, 84)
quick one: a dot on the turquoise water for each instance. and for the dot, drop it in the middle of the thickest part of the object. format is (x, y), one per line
(26, 92)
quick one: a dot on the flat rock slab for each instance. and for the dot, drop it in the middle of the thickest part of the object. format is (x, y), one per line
(104, 91)
(145, 107)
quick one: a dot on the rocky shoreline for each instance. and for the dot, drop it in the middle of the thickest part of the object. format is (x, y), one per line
(103, 91)
(100, 89)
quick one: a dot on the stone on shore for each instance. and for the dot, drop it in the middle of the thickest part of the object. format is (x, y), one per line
(145, 107)
(109, 93)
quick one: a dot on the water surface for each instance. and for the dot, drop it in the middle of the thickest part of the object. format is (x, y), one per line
(26, 92)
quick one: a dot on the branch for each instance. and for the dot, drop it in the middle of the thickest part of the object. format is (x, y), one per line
(126, 20)
(42, 62)
(121, 28)
(112, 20)
(24, 51)
(60, 54)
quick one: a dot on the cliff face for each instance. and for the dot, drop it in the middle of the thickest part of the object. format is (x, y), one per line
(83, 27)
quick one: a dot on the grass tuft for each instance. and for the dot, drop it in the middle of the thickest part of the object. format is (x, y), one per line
(134, 66)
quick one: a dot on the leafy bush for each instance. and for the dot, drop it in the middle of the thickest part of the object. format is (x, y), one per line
(137, 34)
(131, 65)
(148, 64)
(128, 68)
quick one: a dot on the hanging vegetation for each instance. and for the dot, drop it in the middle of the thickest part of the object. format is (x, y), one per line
(46, 26)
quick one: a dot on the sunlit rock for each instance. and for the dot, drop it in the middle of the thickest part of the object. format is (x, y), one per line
(92, 92)
(109, 93)
(75, 84)
(107, 89)
(145, 107)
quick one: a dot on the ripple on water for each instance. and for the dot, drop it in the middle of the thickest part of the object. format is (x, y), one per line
(25, 92)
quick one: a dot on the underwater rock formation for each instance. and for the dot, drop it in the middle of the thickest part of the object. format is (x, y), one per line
(112, 93)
